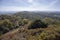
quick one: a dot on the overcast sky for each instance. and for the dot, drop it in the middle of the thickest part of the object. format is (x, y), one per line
(29, 5)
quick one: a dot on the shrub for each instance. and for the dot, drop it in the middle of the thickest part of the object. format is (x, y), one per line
(37, 24)
(5, 26)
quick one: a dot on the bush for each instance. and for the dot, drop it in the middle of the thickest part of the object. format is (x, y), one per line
(37, 24)
(5, 26)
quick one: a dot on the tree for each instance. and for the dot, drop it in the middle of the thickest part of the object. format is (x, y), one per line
(37, 24)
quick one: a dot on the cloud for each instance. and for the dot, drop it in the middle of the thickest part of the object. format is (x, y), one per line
(15, 8)
(30, 1)
(43, 7)
(33, 5)
(37, 6)
(52, 3)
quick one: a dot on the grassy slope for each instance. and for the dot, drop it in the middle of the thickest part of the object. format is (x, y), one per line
(50, 33)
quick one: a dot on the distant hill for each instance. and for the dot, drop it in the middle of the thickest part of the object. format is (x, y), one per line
(38, 14)
(34, 14)
(7, 12)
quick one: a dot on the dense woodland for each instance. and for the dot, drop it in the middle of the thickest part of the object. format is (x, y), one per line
(32, 25)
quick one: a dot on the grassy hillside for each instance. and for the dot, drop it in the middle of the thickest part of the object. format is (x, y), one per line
(30, 26)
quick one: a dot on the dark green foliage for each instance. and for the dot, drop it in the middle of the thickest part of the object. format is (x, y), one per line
(38, 24)
(5, 26)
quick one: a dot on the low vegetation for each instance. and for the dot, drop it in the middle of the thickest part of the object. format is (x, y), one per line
(23, 26)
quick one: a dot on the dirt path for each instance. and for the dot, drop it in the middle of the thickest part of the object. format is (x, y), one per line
(14, 34)
(9, 34)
